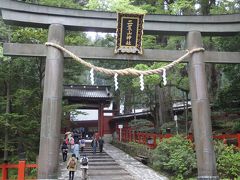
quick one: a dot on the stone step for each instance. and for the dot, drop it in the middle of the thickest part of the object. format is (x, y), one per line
(90, 151)
(97, 155)
(112, 177)
(103, 164)
(106, 172)
(101, 160)
(104, 167)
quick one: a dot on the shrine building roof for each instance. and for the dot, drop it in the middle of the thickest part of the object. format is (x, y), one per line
(87, 91)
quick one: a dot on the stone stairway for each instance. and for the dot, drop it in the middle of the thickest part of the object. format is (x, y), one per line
(104, 167)
(112, 164)
(101, 167)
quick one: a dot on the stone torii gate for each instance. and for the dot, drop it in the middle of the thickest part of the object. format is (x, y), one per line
(59, 19)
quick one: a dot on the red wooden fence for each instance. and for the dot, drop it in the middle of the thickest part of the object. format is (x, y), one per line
(20, 166)
(150, 139)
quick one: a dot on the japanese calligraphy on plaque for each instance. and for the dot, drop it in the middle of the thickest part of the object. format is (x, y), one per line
(129, 33)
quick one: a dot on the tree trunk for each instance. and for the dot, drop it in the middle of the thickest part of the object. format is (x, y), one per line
(116, 102)
(206, 6)
(159, 119)
(186, 110)
(162, 105)
(41, 69)
(128, 101)
(168, 110)
(7, 87)
(213, 80)
(212, 73)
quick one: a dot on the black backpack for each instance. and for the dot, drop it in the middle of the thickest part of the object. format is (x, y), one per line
(84, 161)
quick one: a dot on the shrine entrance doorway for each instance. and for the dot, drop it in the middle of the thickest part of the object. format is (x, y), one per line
(92, 116)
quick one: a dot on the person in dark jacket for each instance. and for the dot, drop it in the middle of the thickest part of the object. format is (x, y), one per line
(100, 142)
(75, 136)
(64, 151)
(94, 145)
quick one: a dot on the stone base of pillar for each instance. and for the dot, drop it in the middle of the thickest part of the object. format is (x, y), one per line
(208, 178)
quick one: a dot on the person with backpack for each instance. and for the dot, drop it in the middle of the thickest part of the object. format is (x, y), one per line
(82, 144)
(72, 166)
(84, 166)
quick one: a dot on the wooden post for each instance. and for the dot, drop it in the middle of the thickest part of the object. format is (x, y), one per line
(21, 169)
(206, 161)
(145, 138)
(238, 139)
(4, 171)
(134, 135)
(155, 140)
(120, 134)
(101, 119)
(130, 137)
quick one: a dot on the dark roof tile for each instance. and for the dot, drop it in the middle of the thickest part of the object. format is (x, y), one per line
(83, 91)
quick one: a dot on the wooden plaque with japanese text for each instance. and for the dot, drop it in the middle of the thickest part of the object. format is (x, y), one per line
(129, 33)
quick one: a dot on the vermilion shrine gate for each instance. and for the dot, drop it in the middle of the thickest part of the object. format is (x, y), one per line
(59, 19)
(93, 99)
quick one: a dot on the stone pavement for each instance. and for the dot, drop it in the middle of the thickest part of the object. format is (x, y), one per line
(112, 164)
(138, 170)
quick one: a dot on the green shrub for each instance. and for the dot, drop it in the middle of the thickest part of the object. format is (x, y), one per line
(228, 160)
(175, 156)
(236, 126)
(133, 148)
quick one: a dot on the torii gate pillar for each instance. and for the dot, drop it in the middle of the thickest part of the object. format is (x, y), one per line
(206, 161)
(51, 107)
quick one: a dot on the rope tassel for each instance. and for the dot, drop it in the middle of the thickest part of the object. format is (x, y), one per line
(116, 81)
(141, 82)
(164, 77)
(92, 76)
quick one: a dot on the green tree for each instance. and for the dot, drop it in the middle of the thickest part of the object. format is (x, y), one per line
(114, 5)
(225, 7)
